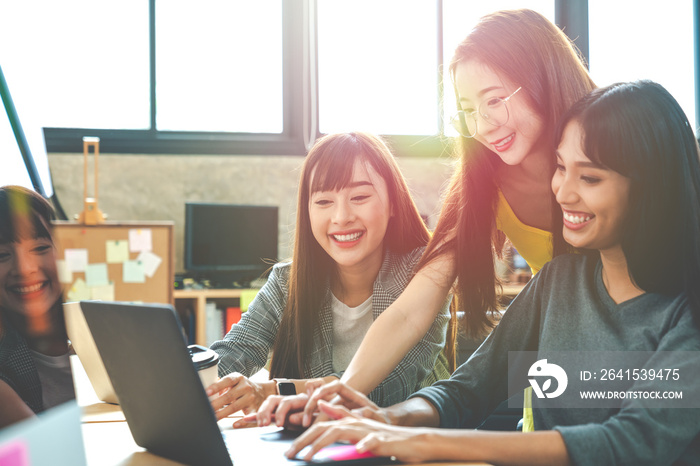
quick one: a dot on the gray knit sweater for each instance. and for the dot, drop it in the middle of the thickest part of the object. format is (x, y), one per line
(567, 308)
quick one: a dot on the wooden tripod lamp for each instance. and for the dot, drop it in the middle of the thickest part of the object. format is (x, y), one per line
(91, 214)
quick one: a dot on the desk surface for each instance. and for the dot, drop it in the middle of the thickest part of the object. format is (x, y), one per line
(111, 443)
(108, 440)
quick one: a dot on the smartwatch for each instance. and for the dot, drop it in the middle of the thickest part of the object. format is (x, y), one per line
(286, 387)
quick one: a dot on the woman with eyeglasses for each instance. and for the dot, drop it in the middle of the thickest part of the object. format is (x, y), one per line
(626, 308)
(514, 75)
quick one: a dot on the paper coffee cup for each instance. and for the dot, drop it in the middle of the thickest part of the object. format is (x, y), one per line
(206, 361)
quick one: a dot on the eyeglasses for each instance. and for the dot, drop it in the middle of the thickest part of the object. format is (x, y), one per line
(493, 111)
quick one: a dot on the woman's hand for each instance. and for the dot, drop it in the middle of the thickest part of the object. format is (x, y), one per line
(406, 444)
(238, 393)
(284, 411)
(296, 412)
(338, 393)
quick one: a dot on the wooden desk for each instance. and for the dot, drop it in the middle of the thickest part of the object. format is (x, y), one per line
(108, 440)
(111, 444)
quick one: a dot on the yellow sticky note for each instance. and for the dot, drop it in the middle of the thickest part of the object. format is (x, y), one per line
(103, 292)
(117, 251)
(247, 297)
(78, 291)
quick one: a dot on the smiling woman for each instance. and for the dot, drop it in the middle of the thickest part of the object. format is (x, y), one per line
(592, 197)
(514, 75)
(33, 343)
(627, 182)
(350, 223)
(358, 237)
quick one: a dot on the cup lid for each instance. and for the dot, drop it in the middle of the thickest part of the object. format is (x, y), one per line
(203, 357)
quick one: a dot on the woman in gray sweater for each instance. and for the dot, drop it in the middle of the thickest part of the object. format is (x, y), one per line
(628, 183)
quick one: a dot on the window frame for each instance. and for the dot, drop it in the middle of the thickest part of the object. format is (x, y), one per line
(152, 141)
(300, 101)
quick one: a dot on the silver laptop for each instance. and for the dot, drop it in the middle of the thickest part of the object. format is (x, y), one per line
(84, 346)
(52, 437)
(144, 351)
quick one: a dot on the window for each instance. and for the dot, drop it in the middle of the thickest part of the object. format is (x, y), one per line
(459, 18)
(655, 42)
(378, 71)
(381, 71)
(169, 77)
(79, 63)
(269, 76)
(208, 76)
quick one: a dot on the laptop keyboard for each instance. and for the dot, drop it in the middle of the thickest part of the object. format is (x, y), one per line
(259, 446)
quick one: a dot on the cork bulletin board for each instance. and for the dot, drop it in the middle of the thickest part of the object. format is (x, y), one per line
(124, 261)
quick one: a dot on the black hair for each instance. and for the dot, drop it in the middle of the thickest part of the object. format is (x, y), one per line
(640, 131)
(18, 205)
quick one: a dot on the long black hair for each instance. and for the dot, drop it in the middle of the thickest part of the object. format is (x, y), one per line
(640, 131)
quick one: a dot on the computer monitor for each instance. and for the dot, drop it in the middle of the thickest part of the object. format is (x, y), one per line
(229, 245)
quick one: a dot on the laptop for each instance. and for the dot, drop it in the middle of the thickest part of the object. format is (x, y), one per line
(52, 437)
(84, 346)
(145, 353)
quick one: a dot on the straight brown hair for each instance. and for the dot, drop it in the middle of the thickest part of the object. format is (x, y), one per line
(329, 167)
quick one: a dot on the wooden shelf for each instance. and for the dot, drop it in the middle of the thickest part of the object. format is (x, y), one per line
(200, 298)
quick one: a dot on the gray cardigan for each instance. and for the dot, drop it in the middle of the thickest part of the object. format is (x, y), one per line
(248, 344)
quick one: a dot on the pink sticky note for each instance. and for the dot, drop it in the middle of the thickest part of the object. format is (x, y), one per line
(14, 453)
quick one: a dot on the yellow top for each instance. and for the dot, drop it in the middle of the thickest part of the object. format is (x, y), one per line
(535, 246)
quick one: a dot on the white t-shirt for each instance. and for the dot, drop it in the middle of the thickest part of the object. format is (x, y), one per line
(350, 324)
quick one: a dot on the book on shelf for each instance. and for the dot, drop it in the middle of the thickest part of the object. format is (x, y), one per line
(215, 323)
(187, 320)
(233, 316)
(191, 340)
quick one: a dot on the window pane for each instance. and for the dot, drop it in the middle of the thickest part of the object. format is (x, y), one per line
(378, 66)
(655, 42)
(13, 170)
(78, 63)
(219, 66)
(459, 17)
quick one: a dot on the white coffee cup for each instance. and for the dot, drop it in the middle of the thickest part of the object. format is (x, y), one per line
(206, 361)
